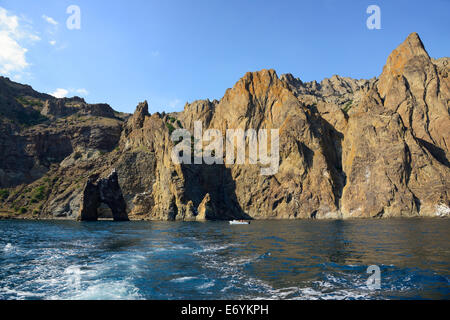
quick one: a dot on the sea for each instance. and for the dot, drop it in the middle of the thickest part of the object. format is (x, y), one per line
(299, 259)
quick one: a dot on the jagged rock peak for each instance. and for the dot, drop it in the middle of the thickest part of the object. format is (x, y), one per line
(138, 118)
(411, 48)
(415, 44)
(142, 109)
(291, 80)
(199, 110)
(256, 83)
(262, 74)
(264, 77)
(418, 89)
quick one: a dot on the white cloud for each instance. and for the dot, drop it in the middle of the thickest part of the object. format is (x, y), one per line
(13, 33)
(12, 55)
(50, 20)
(60, 93)
(82, 91)
(7, 22)
(52, 42)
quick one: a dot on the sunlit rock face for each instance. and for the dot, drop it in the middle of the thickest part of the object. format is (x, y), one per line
(347, 149)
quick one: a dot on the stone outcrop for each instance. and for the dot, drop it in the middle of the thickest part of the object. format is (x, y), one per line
(90, 201)
(105, 190)
(419, 89)
(58, 108)
(206, 209)
(200, 110)
(349, 148)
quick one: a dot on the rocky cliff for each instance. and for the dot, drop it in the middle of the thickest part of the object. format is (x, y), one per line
(347, 149)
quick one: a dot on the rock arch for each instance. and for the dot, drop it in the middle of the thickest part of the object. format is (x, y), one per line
(105, 190)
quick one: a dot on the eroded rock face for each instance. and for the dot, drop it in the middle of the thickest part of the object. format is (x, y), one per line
(376, 161)
(385, 163)
(303, 184)
(105, 190)
(418, 88)
(349, 148)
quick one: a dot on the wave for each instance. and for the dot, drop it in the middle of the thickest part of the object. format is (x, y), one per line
(183, 279)
(99, 290)
(216, 247)
(206, 285)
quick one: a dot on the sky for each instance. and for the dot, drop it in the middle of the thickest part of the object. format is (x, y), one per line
(171, 52)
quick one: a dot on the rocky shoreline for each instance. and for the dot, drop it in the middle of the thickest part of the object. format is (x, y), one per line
(10, 216)
(349, 149)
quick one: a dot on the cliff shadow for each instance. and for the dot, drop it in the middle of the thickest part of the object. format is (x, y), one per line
(215, 179)
(331, 140)
(436, 152)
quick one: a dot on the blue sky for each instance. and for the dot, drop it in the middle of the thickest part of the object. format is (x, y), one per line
(170, 52)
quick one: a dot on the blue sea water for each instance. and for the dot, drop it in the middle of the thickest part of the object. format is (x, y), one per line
(215, 260)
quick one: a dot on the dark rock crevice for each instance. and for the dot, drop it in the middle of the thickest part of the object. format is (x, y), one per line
(436, 152)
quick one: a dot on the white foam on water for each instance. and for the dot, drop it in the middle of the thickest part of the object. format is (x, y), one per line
(244, 260)
(236, 280)
(310, 293)
(19, 294)
(183, 279)
(206, 285)
(110, 290)
(216, 247)
(73, 274)
(179, 247)
(8, 248)
(231, 272)
(50, 277)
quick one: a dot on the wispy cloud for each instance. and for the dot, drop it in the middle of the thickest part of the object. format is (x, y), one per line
(82, 91)
(13, 33)
(62, 93)
(174, 104)
(52, 25)
(50, 20)
(52, 42)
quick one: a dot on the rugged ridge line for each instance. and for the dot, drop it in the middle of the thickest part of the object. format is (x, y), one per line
(349, 148)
